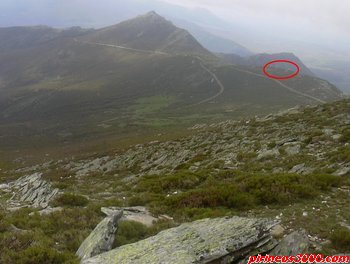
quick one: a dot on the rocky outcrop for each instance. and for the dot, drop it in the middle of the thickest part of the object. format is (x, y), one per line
(102, 237)
(31, 190)
(221, 240)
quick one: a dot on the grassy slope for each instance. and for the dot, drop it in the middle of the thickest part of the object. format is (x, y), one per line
(251, 189)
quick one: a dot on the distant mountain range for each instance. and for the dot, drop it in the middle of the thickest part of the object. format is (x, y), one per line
(144, 72)
(259, 60)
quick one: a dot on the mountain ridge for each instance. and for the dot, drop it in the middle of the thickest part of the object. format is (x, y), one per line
(149, 32)
(259, 60)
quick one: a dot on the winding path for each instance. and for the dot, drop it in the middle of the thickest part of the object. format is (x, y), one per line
(222, 87)
(201, 62)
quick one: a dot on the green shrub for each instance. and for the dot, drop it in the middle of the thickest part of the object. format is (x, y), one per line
(340, 155)
(286, 188)
(44, 255)
(271, 145)
(70, 199)
(226, 195)
(246, 191)
(341, 239)
(130, 232)
(345, 136)
(164, 184)
(199, 157)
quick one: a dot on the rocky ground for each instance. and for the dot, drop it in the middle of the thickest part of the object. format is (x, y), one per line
(293, 167)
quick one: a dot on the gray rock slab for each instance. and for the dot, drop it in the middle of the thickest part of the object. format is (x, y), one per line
(203, 241)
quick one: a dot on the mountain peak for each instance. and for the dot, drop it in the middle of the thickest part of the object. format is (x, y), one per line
(152, 14)
(150, 32)
(152, 17)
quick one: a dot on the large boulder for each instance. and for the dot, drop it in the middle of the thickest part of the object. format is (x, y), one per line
(102, 237)
(221, 240)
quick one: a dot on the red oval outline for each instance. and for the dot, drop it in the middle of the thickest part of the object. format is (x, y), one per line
(281, 77)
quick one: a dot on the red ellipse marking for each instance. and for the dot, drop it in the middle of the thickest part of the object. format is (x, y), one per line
(281, 77)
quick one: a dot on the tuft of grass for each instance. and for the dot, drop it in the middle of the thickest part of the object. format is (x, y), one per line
(341, 238)
(70, 200)
(131, 231)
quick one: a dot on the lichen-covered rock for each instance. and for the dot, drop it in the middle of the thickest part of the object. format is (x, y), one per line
(220, 240)
(33, 191)
(101, 238)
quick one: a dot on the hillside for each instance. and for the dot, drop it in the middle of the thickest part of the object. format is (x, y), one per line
(142, 76)
(291, 168)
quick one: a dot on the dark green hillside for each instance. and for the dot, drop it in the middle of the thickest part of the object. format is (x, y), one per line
(15, 38)
(142, 76)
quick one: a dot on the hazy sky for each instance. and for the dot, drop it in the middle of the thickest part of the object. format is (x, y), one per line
(261, 25)
(317, 20)
(333, 14)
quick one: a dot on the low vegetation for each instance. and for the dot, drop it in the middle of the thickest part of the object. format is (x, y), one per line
(71, 200)
(341, 238)
(235, 190)
(130, 231)
(223, 177)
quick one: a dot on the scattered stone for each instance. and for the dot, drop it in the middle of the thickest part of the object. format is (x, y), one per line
(301, 169)
(328, 131)
(293, 150)
(4, 186)
(343, 171)
(13, 228)
(101, 238)
(48, 210)
(277, 231)
(268, 153)
(286, 141)
(336, 137)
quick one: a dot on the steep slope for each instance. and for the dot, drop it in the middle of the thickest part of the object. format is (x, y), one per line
(213, 42)
(149, 32)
